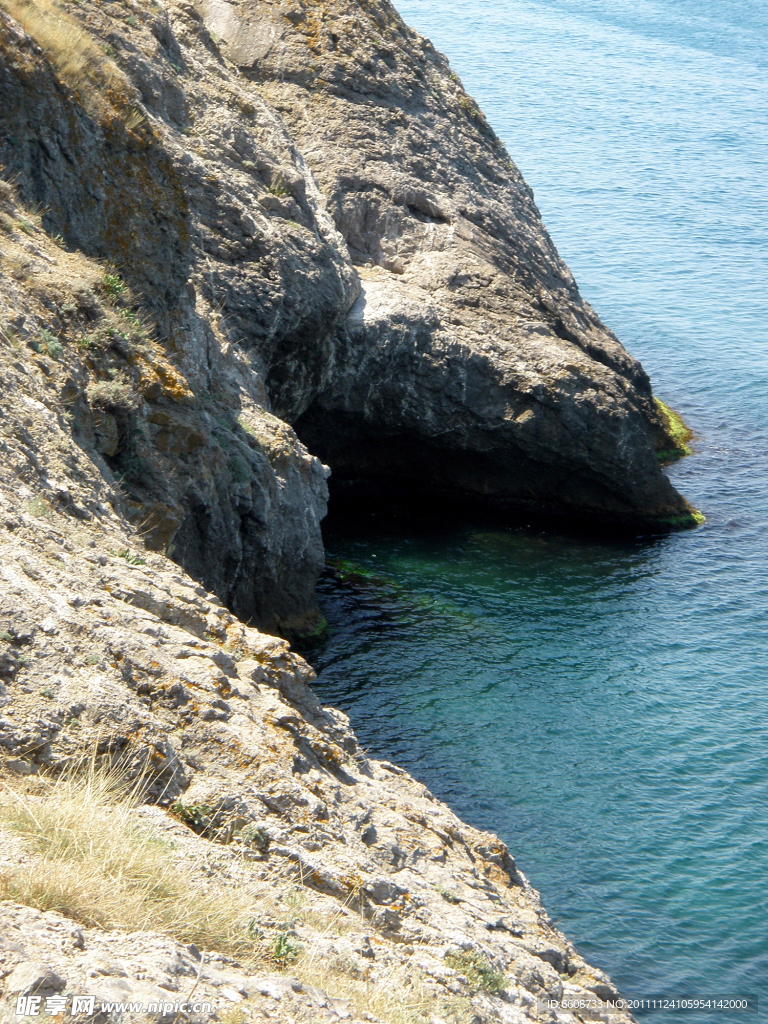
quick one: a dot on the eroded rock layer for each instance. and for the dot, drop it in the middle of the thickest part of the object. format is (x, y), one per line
(469, 363)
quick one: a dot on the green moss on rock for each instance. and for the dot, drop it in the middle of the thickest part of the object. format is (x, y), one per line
(687, 521)
(677, 430)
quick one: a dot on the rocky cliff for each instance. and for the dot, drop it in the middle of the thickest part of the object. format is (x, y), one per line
(278, 873)
(241, 243)
(309, 222)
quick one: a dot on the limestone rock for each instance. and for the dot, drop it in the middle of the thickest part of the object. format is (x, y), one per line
(33, 978)
(144, 970)
(469, 364)
(231, 217)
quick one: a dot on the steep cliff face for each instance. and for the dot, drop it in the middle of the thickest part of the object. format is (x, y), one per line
(223, 274)
(469, 363)
(315, 226)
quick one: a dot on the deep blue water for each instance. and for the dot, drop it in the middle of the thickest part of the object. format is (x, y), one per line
(604, 707)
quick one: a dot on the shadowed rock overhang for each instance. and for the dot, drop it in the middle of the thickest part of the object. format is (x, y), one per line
(469, 364)
(322, 254)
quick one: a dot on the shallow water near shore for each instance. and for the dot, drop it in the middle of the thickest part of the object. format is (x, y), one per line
(603, 706)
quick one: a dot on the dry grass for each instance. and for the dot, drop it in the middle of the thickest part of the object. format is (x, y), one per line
(397, 996)
(96, 862)
(92, 858)
(79, 60)
(18, 264)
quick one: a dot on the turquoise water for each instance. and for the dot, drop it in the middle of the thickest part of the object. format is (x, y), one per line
(604, 706)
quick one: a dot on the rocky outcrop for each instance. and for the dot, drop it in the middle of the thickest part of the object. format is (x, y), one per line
(196, 462)
(49, 956)
(220, 255)
(313, 222)
(469, 364)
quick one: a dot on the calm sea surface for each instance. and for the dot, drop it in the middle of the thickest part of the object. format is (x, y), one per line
(604, 706)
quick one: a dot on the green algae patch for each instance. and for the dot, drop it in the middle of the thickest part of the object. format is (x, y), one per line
(319, 633)
(678, 431)
(686, 521)
(346, 571)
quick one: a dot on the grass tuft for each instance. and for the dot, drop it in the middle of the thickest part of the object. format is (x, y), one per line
(113, 284)
(131, 559)
(477, 969)
(115, 396)
(75, 55)
(284, 950)
(96, 862)
(50, 344)
(80, 61)
(38, 507)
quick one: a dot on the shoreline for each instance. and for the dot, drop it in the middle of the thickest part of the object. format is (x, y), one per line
(209, 297)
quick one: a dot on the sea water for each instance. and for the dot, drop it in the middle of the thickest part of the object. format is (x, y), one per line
(604, 706)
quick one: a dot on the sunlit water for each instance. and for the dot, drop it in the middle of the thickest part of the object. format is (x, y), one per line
(604, 707)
